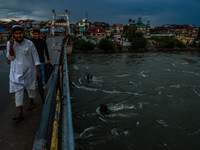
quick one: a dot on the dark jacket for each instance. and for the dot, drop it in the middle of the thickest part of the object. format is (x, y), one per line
(41, 47)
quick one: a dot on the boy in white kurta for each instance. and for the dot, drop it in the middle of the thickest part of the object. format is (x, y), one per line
(24, 57)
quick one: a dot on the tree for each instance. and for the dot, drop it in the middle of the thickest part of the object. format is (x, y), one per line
(130, 20)
(106, 45)
(80, 44)
(88, 46)
(138, 41)
(166, 42)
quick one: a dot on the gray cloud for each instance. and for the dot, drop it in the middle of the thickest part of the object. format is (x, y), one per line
(111, 11)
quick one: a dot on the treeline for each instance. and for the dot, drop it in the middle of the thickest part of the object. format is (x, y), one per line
(138, 42)
(168, 42)
(80, 44)
(105, 45)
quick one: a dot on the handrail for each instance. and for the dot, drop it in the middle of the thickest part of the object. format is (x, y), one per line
(55, 136)
(67, 141)
(67, 122)
(40, 139)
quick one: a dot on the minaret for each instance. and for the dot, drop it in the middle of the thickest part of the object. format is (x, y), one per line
(86, 16)
(148, 23)
(139, 20)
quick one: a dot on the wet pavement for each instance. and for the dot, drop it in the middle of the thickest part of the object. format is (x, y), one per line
(14, 134)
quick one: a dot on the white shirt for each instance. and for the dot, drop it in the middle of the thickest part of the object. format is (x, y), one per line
(22, 68)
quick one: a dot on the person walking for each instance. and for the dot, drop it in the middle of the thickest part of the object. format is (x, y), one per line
(23, 58)
(42, 48)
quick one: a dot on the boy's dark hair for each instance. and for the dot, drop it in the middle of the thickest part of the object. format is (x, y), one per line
(36, 30)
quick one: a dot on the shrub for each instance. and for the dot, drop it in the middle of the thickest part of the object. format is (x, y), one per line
(80, 44)
(106, 45)
(179, 44)
(88, 46)
(166, 42)
(138, 42)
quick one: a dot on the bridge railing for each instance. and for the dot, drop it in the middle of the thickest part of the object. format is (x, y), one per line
(67, 125)
(62, 98)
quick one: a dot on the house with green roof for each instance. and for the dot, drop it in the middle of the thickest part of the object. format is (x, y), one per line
(141, 27)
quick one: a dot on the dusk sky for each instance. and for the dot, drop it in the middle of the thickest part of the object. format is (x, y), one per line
(159, 12)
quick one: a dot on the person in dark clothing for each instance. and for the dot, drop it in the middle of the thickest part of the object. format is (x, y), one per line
(42, 48)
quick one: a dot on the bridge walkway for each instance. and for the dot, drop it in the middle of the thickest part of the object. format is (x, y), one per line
(15, 135)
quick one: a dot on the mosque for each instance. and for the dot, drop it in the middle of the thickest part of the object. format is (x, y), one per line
(141, 27)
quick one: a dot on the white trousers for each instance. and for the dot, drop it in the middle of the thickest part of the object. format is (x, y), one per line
(19, 96)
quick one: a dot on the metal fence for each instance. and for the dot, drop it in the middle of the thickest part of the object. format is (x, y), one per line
(60, 87)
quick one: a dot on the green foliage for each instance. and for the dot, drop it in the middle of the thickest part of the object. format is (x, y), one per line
(138, 35)
(88, 46)
(167, 42)
(179, 44)
(106, 45)
(138, 42)
(80, 44)
(129, 31)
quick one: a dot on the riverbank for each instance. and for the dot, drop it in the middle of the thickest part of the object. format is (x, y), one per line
(129, 50)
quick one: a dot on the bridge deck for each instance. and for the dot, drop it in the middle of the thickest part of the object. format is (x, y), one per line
(21, 135)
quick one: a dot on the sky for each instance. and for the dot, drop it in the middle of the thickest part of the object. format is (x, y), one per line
(159, 12)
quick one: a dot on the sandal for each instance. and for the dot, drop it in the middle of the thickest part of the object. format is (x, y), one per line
(18, 117)
(30, 106)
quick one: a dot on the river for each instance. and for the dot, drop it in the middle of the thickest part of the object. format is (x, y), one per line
(154, 99)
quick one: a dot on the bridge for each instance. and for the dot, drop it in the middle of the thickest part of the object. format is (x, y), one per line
(49, 126)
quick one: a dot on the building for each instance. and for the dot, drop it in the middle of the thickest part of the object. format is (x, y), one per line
(26, 23)
(83, 25)
(6, 27)
(184, 33)
(186, 39)
(95, 33)
(74, 29)
(97, 25)
(37, 25)
(47, 23)
(141, 27)
(118, 28)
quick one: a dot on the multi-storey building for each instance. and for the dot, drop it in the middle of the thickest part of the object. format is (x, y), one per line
(95, 33)
(83, 25)
(184, 33)
(119, 28)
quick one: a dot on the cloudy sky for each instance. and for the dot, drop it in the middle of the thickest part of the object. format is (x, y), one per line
(159, 12)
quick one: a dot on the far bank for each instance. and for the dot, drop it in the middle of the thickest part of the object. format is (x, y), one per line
(139, 44)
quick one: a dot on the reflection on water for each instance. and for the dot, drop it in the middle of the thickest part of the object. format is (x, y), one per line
(153, 99)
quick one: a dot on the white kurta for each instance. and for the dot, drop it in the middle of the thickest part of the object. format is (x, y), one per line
(22, 67)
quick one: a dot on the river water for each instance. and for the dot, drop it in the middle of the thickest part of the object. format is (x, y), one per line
(154, 99)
